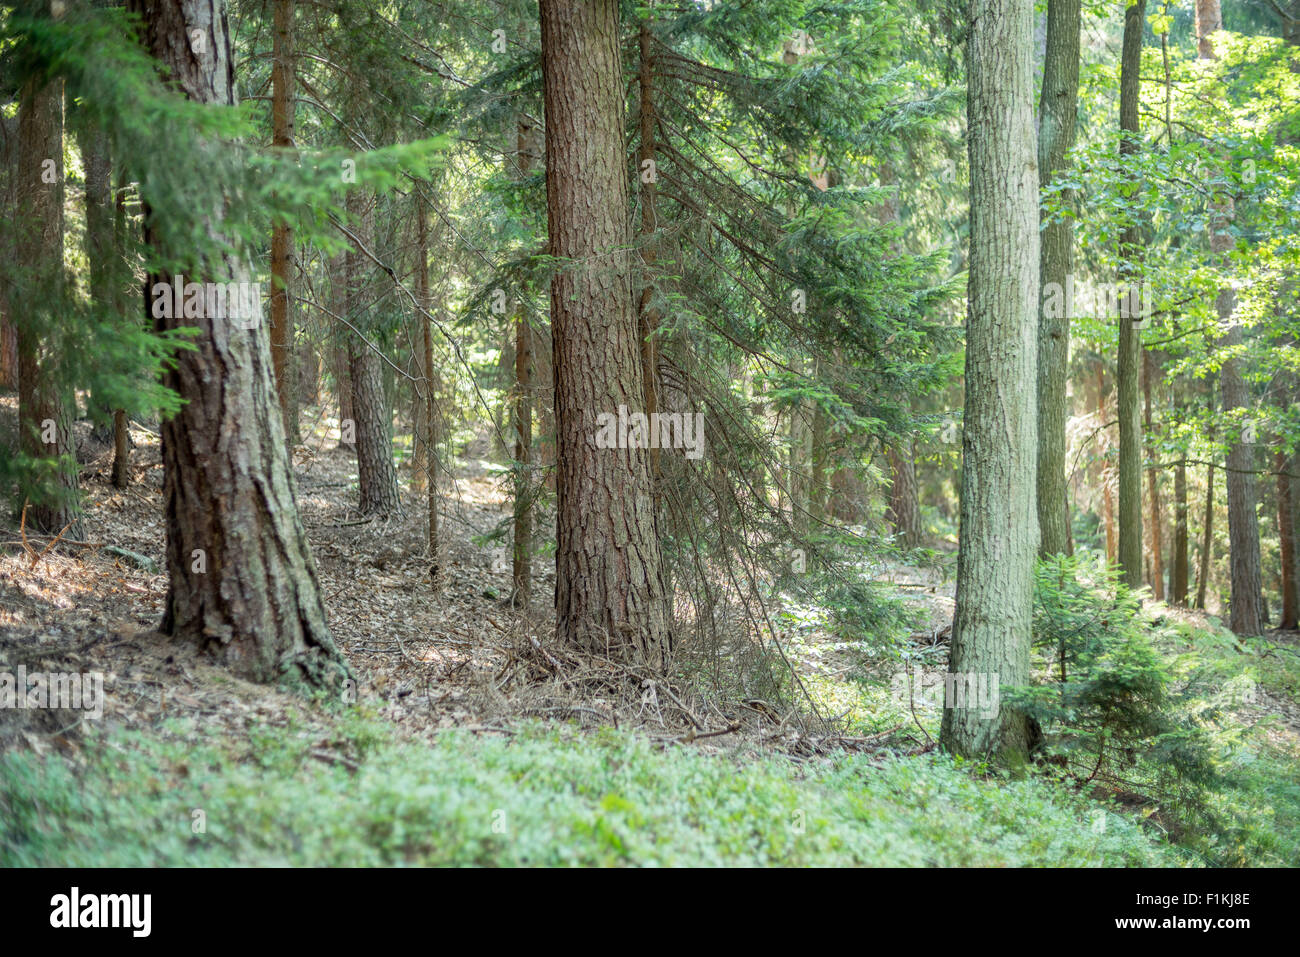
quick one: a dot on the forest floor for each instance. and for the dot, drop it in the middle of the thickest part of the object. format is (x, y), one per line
(454, 682)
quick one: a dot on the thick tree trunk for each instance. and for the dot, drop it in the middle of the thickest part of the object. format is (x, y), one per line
(1208, 18)
(610, 594)
(999, 528)
(45, 403)
(282, 137)
(242, 580)
(376, 474)
(647, 315)
(1058, 107)
(1128, 409)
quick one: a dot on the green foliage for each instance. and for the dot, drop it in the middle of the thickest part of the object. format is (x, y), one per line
(545, 797)
(1107, 706)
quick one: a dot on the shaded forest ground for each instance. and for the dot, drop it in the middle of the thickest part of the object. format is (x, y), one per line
(462, 713)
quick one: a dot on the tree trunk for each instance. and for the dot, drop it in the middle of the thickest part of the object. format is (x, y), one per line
(420, 452)
(1104, 473)
(999, 528)
(1128, 409)
(282, 137)
(1286, 528)
(242, 580)
(1246, 605)
(647, 315)
(121, 450)
(904, 506)
(376, 474)
(338, 278)
(428, 439)
(45, 403)
(1153, 489)
(1058, 107)
(610, 594)
(521, 555)
(1207, 540)
(104, 254)
(1178, 580)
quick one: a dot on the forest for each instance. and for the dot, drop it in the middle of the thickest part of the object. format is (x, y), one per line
(693, 433)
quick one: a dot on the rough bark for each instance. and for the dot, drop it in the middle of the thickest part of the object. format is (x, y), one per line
(610, 594)
(376, 474)
(1057, 110)
(1129, 366)
(647, 315)
(242, 582)
(999, 528)
(282, 137)
(45, 403)
(1208, 18)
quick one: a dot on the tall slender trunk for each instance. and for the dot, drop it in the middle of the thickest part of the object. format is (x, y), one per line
(1246, 604)
(338, 281)
(1105, 473)
(521, 553)
(1153, 488)
(242, 582)
(282, 137)
(45, 402)
(1286, 529)
(376, 475)
(1128, 409)
(1057, 110)
(1178, 579)
(904, 504)
(521, 556)
(610, 594)
(426, 393)
(999, 528)
(105, 255)
(1207, 540)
